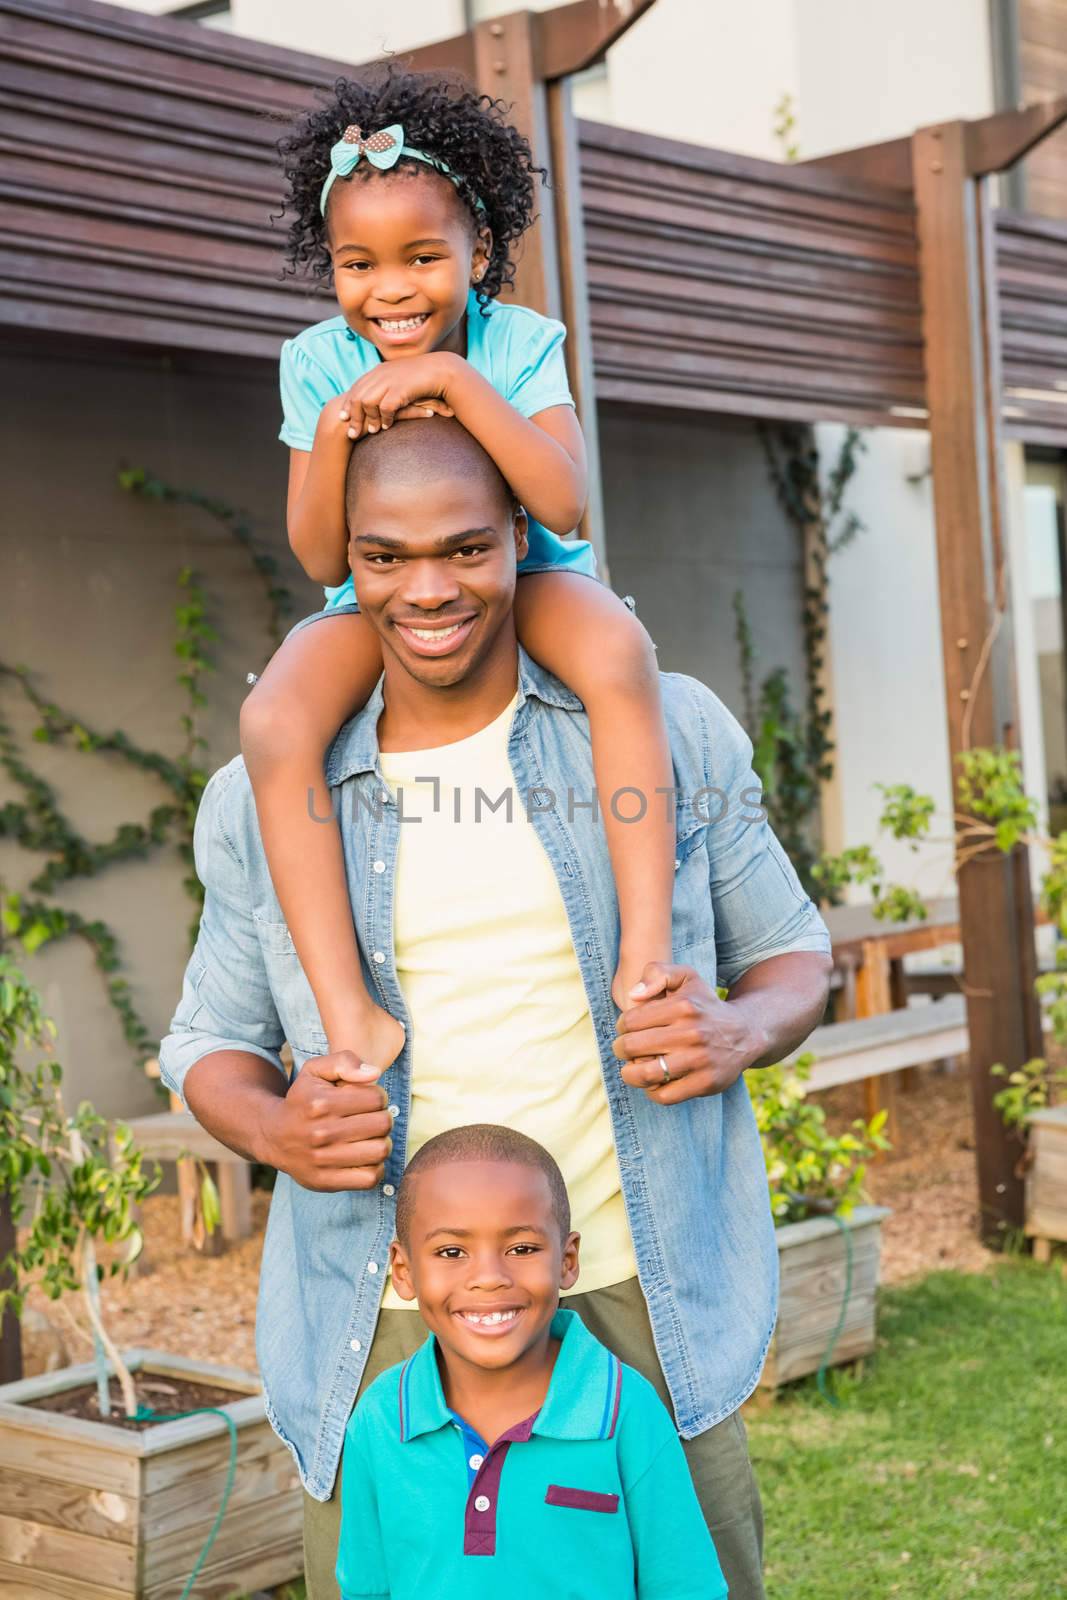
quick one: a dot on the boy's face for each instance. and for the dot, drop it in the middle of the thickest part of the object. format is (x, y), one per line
(404, 252)
(485, 1259)
(435, 571)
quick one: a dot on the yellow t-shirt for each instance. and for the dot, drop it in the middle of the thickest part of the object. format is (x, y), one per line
(500, 1023)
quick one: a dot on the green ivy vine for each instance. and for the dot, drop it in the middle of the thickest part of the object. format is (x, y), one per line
(36, 821)
(793, 745)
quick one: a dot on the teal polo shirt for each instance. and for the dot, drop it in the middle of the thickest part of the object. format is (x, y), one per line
(591, 1497)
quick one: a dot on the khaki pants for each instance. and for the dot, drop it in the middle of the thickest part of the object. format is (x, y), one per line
(717, 1459)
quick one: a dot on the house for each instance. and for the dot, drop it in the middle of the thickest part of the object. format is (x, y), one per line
(711, 287)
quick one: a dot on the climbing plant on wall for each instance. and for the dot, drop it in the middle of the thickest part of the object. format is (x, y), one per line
(37, 822)
(793, 745)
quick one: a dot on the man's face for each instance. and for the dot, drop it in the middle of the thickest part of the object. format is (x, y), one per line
(434, 569)
(486, 1259)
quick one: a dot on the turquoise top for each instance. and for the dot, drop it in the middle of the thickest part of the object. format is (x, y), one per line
(516, 350)
(590, 1499)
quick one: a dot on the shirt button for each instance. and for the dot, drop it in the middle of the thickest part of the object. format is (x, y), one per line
(474, 1463)
(372, 1267)
(356, 1345)
(388, 1189)
(378, 956)
(394, 1111)
(482, 1503)
(677, 864)
(379, 866)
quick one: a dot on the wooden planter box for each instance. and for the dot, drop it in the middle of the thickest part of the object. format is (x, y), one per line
(94, 1512)
(811, 1260)
(1046, 1180)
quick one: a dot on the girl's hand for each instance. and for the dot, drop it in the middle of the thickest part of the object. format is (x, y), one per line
(382, 395)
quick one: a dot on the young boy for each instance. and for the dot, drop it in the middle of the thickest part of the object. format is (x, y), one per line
(584, 1491)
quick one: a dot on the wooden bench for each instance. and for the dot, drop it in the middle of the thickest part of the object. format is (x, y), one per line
(866, 1049)
(175, 1135)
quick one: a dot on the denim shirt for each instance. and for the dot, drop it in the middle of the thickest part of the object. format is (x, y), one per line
(693, 1176)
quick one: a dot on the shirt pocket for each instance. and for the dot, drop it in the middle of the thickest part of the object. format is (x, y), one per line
(692, 920)
(290, 988)
(580, 1499)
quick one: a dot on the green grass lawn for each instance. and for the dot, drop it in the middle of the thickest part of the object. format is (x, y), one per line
(942, 1473)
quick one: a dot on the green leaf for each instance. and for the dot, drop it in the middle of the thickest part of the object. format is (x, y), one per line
(209, 1203)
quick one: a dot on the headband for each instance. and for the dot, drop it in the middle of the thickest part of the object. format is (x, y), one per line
(383, 150)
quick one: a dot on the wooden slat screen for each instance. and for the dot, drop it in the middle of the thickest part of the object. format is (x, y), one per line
(137, 177)
(1031, 256)
(722, 283)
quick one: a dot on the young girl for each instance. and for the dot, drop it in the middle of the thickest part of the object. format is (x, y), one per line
(410, 192)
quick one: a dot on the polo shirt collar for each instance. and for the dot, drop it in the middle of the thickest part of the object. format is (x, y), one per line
(582, 1400)
(355, 749)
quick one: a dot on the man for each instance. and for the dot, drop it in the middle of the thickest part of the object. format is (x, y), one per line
(483, 899)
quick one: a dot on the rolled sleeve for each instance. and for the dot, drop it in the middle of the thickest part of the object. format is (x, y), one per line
(761, 909)
(226, 1001)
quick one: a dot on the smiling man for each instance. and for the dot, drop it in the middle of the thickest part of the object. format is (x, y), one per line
(484, 903)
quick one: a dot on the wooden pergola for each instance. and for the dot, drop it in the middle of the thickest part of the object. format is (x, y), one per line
(877, 286)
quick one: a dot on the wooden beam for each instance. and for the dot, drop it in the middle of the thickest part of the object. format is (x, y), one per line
(963, 392)
(991, 144)
(577, 36)
(888, 164)
(447, 55)
(996, 142)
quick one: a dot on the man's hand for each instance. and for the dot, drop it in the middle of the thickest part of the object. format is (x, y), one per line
(331, 1130)
(706, 1042)
(413, 386)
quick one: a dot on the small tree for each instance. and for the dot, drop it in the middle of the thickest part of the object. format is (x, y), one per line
(992, 813)
(69, 1179)
(810, 1171)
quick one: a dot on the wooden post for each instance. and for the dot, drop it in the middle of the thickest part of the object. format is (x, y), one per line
(10, 1333)
(505, 64)
(574, 298)
(963, 392)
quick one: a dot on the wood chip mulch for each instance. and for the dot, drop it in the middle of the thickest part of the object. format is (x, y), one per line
(204, 1306)
(928, 1179)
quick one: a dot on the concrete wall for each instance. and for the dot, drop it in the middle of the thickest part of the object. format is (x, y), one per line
(88, 599)
(691, 519)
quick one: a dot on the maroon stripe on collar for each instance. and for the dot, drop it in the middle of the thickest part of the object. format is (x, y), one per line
(618, 1400)
(400, 1396)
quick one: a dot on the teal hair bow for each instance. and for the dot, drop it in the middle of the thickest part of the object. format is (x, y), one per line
(382, 149)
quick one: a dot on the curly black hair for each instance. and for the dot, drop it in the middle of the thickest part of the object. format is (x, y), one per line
(491, 160)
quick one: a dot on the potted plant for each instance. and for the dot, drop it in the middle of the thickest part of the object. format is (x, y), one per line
(1028, 1103)
(829, 1246)
(138, 1471)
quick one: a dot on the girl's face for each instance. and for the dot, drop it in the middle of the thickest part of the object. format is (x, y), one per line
(405, 254)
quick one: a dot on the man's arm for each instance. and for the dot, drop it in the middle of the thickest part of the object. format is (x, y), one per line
(329, 1129)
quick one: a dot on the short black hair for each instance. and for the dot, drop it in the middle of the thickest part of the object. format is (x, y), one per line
(418, 451)
(480, 1141)
(442, 117)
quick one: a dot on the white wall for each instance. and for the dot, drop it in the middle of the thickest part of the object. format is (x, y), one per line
(885, 642)
(348, 30)
(712, 71)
